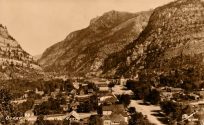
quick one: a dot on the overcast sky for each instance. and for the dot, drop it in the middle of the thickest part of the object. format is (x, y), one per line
(38, 24)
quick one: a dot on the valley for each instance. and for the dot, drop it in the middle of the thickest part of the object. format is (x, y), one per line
(142, 68)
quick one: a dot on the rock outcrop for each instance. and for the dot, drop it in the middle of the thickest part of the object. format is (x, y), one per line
(14, 61)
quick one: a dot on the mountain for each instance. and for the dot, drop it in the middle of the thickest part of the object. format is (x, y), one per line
(37, 57)
(83, 52)
(14, 61)
(173, 41)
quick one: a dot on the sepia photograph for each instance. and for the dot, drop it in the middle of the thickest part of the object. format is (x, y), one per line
(101, 62)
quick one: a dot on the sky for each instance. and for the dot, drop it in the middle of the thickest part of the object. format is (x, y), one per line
(38, 24)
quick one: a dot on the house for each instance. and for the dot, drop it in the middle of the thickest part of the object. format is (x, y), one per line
(76, 84)
(174, 90)
(74, 117)
(194, 96)
(118, 109)
(18, 101)
(74, 105)
(106, 120)
(101, 82)
(108, 99)
(90, 91)
(38, 102)
(115, 119)
(102, 85)
(82, 90)
(121, 90)
(73, 92)
(67, 98)
(104, 89)
(53, 117)
(84, 85)
(83, 98)
(25, 96)
(45, 98)
(54, 94)
(29, 113)
(65, 107)
(27, 91)
(166, 95)
(107, 110)
(39, 92)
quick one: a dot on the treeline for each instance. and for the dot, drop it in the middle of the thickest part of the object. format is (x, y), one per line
(18, 87)
(144, 91)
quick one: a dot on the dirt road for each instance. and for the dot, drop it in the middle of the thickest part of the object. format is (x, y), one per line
(147, 110)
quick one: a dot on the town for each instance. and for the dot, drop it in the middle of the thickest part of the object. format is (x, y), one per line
(102, 62)
(99, 101)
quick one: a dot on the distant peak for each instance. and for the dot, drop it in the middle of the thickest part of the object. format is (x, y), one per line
(109, 19)
(183, 2)
(105, 15)
(189, 1)
(3, 27)
(113, 12)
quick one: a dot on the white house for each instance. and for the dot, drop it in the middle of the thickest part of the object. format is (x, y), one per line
(78, 117)
(29, 113)
(114, 119)
(39, 92)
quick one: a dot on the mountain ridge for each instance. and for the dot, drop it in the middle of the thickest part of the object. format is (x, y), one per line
(14, 61)
(82, 52)
(175, 32)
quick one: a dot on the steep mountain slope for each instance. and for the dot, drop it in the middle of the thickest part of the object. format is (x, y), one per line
(172, 40)
(37, 57)
(14, 61)
(83, 51)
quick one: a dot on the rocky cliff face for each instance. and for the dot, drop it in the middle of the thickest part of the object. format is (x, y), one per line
(14, 61)
(83, 52)
(173, 39)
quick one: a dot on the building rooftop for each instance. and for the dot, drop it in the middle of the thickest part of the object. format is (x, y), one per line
(114, 108)
(103, 88)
